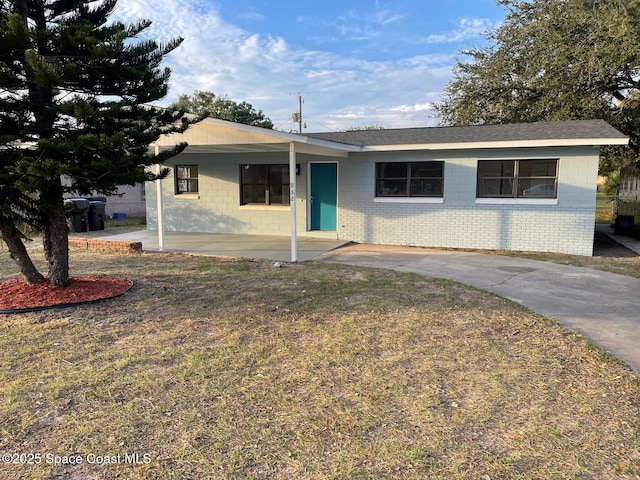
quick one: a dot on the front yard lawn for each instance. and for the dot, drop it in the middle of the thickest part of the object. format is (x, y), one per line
(225, 368)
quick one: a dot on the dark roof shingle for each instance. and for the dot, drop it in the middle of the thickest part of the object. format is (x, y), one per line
(563, 130)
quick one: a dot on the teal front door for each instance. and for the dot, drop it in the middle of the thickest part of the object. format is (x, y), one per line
(324, 196)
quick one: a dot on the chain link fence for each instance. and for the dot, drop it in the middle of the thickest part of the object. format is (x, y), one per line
(608, 207)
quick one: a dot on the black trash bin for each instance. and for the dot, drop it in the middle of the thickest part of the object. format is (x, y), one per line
(78, 211)
(96, 215)
(624, 224)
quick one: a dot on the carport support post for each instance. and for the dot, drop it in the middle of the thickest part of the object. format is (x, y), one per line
(160, 207)
(292, 201)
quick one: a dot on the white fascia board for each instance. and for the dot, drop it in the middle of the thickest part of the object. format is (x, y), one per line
(326, 151)
(578, 142)
(346, 147)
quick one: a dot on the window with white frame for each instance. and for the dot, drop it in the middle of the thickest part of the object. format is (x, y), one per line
(517, 178)
(186, 177)
(264, 185)
(409, 179)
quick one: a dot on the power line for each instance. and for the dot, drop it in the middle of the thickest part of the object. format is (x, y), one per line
(321, 123)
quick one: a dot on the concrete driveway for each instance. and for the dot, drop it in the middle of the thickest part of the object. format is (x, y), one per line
(602, 306)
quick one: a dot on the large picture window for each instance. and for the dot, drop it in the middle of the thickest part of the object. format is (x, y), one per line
(517, 179)
(409, 179)
(186, 179)
(264, 184)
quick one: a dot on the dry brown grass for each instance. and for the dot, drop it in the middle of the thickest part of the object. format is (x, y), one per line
(224, 368)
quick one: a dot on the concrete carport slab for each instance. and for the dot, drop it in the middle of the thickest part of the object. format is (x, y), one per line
(271, 247)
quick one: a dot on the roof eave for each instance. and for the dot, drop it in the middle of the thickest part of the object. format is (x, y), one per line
(576, 142)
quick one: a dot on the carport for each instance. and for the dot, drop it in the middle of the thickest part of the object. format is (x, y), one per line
(218, 139)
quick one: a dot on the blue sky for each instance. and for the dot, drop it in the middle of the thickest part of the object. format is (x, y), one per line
(355, 63)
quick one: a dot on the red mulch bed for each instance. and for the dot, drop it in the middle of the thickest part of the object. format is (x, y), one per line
(16, 295)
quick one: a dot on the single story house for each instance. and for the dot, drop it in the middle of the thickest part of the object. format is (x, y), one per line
(513, 187)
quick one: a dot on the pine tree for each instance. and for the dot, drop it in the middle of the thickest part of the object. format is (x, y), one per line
(76, 90)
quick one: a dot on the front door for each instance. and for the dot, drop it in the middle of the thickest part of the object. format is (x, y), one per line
(324, 196)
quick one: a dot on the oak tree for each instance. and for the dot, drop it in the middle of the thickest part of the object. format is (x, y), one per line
(222, 107)
(554, 60)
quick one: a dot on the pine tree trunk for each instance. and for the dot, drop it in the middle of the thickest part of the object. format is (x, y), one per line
(55, 238)
(19, 253)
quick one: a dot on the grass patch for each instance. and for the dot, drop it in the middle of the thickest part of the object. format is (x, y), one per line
(605, 208)
(222, 368)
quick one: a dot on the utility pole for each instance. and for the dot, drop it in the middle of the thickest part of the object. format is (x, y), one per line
(297, 117)
(299, 113)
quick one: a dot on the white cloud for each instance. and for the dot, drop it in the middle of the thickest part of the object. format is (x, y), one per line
(418, 107)
(356, 25)
(465, 29)
(267, 72)
(384, 16)
(252, 15)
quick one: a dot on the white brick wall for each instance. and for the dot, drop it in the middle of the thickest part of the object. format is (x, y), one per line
(480, 226)
(460, 222)
(216, 208)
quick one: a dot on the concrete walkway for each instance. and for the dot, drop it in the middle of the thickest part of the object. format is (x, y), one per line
(631, 243)
(602, 306)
